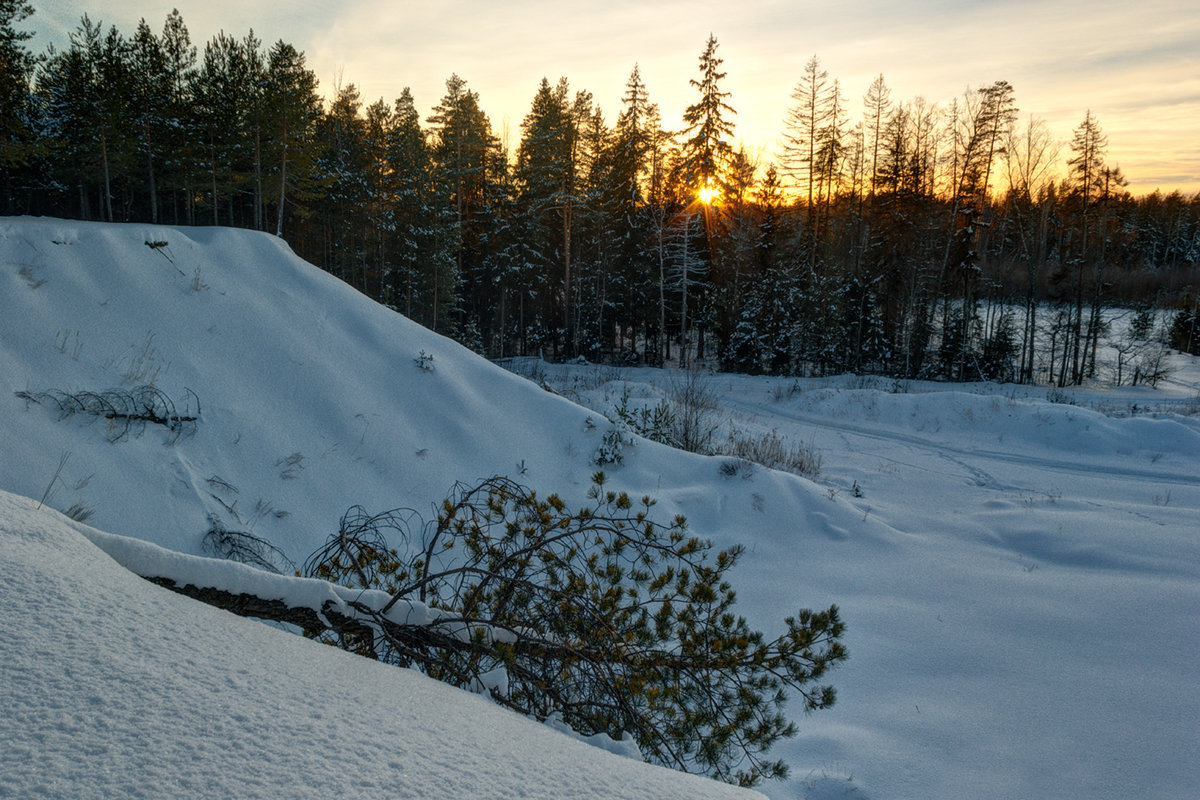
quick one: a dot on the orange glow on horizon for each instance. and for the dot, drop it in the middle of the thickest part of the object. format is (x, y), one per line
(1134, 70)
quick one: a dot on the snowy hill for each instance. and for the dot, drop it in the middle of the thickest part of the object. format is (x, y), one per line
(1020, 578)
(310, 395)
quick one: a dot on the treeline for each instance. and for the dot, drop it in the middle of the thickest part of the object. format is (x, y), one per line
(898, 237)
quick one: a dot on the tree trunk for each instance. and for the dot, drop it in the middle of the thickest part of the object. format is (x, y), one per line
(150, 171)
(258, 188)
(212, 168)
(570, 327)
(107, 180)
(248, 605)
(282, 183)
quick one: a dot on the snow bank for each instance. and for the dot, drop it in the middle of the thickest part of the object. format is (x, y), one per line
(114, 687)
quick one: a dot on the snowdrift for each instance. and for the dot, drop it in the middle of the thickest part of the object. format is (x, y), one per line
(114, 687)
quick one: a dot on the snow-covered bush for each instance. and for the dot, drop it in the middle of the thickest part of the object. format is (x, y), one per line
(612, 446)
(656, 423)
(771, 451)
(424, 362)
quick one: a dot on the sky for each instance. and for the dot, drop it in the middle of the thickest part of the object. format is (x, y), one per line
(1134, 66)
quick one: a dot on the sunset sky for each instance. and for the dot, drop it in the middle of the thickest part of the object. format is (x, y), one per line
(1136, 66)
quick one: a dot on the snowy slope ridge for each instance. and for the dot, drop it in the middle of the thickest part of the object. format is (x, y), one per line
(114, 687)
(311, 398)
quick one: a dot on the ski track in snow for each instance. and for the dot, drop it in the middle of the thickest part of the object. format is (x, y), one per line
(958, 455)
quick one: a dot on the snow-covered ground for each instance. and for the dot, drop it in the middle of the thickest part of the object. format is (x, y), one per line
(1026, 627)
(115, 688)
(1020, 578)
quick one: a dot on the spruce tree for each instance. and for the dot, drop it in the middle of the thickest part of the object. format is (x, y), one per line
(421, 224)
(546, 181)
(706, 152)
(708, 128)
(630, 213)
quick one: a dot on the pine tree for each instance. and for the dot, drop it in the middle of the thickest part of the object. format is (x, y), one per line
(149, 99)
(980, 132)
(465, 156)
(16, 71)
(73, 120)
(343, 205)
(601, 617)
(255, 121)
(1085, 171)
(293, 109)
(182, 145)
(221, 91)
(1088, 144)
(380, 198)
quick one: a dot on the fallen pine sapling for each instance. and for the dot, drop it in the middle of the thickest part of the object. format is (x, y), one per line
(601, 617)
(125, 411)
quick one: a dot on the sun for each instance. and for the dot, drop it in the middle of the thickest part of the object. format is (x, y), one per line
(708, 194)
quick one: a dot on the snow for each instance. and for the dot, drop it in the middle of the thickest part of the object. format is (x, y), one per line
(1025, 626)
(148, 560)
(1020, 578)
(114, 687)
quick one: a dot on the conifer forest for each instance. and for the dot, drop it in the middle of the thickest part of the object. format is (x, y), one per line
(955, 240)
